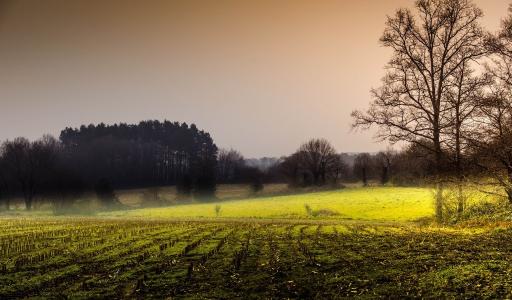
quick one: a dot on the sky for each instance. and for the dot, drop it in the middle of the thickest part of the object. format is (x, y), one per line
(261, 76)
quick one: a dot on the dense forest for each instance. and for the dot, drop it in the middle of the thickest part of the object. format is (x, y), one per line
(103, 158)
(150, 153)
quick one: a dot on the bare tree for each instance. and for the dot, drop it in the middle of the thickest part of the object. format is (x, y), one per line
(290, 167)
(30, 163)
(339, 168)
(319, 157)
(413, 165)
(363, 166)
(384, 160)
(429, 47)
(5, 181)
(464, 92)
(493, 141)
(492, 138)
(229, 162)
(18, 162)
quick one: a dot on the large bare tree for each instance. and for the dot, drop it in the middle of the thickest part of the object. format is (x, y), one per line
(384, 161)
(30, 163)
(464, 93)
(491, 138)
(290, 167)
(5, 181)
(429, 47)
(229, 163)
(319, 157)
(363, 164)
(492, 141)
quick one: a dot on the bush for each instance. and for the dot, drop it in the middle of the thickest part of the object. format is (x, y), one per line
(477, 205)
(489, 210)
(323, 212)
(256, 185)
(218, 209)
(309, 211)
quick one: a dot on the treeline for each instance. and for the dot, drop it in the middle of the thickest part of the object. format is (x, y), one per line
(316, 163)
(102, 158)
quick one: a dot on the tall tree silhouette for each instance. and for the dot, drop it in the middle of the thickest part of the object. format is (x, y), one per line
(318, 156)
(30, 163)
(229, 165)
(363, 167)
(491, 138)
(429, 47)
(384, 160)
(6, 185)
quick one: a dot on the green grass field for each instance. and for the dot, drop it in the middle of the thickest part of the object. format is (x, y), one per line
(266, 247)
(378, 203)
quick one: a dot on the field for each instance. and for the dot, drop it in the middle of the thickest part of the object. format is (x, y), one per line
(368, 251)
(378, 203)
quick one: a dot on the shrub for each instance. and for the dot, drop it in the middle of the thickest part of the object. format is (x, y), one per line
(477, 205)
(309, 211)
(256, 185)
(323, 212)
(218, 209)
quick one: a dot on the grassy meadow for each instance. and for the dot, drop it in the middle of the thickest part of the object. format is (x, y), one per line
(376, 203)
(350, 243)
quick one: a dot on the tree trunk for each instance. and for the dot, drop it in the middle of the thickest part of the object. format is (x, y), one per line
(458, 165)
(509, 195)
(384, 178)
(316, 177)
(439, 201)
(365, 179)
(508, 189)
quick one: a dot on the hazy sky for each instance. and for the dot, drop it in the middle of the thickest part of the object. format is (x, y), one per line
(261, 76)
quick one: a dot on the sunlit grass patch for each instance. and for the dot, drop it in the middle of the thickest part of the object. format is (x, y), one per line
(377, 203)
